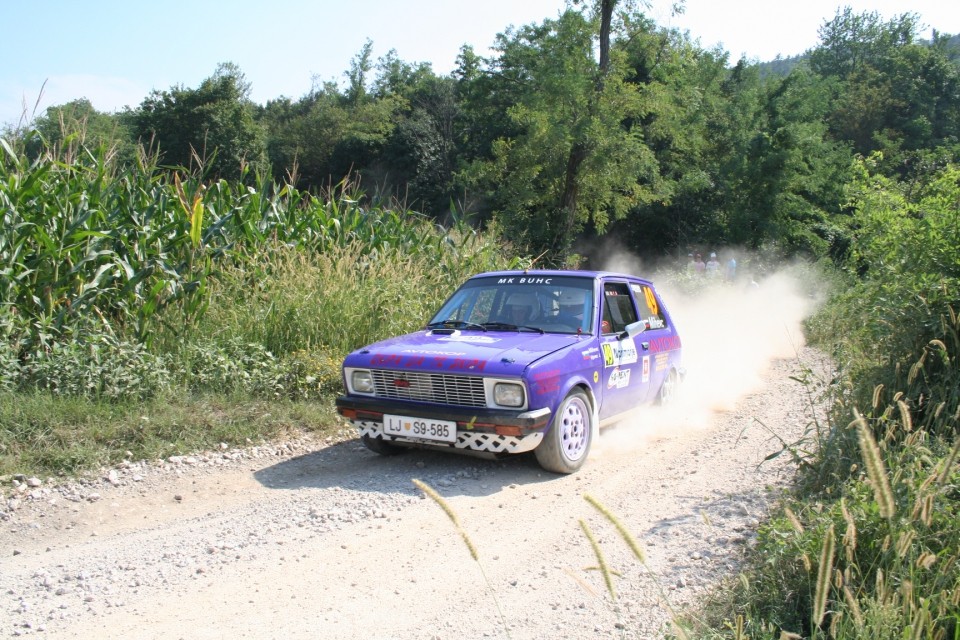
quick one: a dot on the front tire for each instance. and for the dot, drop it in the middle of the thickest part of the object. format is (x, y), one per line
(567, 443)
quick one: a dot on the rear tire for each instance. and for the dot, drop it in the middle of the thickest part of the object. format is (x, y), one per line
(669, 388)
(381, 446)
(567, 442)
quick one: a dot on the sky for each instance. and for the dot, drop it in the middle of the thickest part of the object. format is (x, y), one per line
(115, 52)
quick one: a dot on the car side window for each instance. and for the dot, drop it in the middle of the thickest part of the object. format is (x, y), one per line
(618, 309)
(650, 310)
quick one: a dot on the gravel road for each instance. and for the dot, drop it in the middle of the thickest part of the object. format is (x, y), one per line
(323, 539)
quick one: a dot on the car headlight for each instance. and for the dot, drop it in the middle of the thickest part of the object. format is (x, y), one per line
(361, 381)
(508, 395)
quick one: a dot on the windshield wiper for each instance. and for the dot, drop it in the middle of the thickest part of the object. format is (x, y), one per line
(529, 328)
(456, 324)
(506, 326)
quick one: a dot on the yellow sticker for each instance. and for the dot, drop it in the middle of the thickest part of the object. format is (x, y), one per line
(596, 377)
(651, 300)
(607, 354)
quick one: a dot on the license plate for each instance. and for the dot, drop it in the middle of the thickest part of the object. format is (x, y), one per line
(420, 428)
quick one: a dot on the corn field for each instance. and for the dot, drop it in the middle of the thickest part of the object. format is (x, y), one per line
(82, 244)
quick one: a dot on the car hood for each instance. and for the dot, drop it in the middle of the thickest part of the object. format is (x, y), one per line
(498, 353)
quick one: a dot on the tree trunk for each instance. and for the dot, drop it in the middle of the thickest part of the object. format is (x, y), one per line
(606, 18)
(563, 238)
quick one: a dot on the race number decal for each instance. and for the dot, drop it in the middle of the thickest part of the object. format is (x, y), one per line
(651, 300)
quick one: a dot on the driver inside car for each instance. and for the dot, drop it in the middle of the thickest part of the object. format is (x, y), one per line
(521, 308)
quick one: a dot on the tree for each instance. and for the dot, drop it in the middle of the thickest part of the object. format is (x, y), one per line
(67, 126)
(851, 41)
(792, 179)
(324, 137)
(741, 160)
(694, 117)
(892, 93)
(569, 157)
(210, 127)
(358, 75)
(419, 156)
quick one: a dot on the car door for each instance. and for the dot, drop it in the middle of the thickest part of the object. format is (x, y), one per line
(658, 340)
(626, 369)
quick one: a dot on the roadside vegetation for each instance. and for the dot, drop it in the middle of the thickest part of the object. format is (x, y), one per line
(148, 312)
(867, 545)
(191, 272)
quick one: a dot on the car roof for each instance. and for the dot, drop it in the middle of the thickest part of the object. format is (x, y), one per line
(540, 273)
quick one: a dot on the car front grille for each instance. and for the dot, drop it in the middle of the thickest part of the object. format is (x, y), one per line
(438, 388)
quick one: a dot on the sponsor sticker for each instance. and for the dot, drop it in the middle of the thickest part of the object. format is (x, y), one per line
(619, 378)
(525, 280)
(646, 368)
(475, 339)
(420, 360)
(618, 353)
(651, 300)
(433, 352)
(546, 382)
(665, 344)
(662, 361)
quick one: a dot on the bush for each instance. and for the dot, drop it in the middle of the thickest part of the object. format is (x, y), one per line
(9, 367)
(248, 368)
(96, 366)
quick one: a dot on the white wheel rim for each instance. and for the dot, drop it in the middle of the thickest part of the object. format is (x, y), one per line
(669, 387)
(574, 429)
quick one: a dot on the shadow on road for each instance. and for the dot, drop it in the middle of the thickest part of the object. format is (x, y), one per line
(350, 465)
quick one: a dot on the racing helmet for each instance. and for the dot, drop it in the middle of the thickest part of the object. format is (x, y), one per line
(571, 300)
(521, 307)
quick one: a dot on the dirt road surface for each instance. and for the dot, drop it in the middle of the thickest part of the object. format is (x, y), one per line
(326, 540)
(323, 539)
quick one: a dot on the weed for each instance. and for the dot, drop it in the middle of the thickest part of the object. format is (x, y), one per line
(431, 493)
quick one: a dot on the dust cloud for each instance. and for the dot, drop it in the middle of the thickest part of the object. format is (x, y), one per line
(731, 333)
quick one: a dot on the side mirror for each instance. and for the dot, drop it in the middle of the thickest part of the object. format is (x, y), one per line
(633, 329)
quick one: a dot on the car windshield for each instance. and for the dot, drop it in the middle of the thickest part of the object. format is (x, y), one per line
(558, 304)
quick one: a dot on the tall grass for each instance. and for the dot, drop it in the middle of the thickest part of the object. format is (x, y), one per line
(336, 300)
(891, 570)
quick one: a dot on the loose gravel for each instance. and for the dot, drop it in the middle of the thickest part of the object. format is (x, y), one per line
(316, 538)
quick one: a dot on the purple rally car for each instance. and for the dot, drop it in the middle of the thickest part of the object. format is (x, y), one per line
(516, 361)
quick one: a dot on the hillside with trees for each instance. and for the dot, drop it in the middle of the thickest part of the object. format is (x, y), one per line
(661, 145)
(229, 254)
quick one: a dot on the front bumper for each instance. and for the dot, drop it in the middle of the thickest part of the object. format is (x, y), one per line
(473, 418)
(478, 429)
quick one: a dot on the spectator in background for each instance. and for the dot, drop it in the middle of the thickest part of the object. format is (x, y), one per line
(698, 265)
(731, 269)
(713, 265)
(691, 263)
